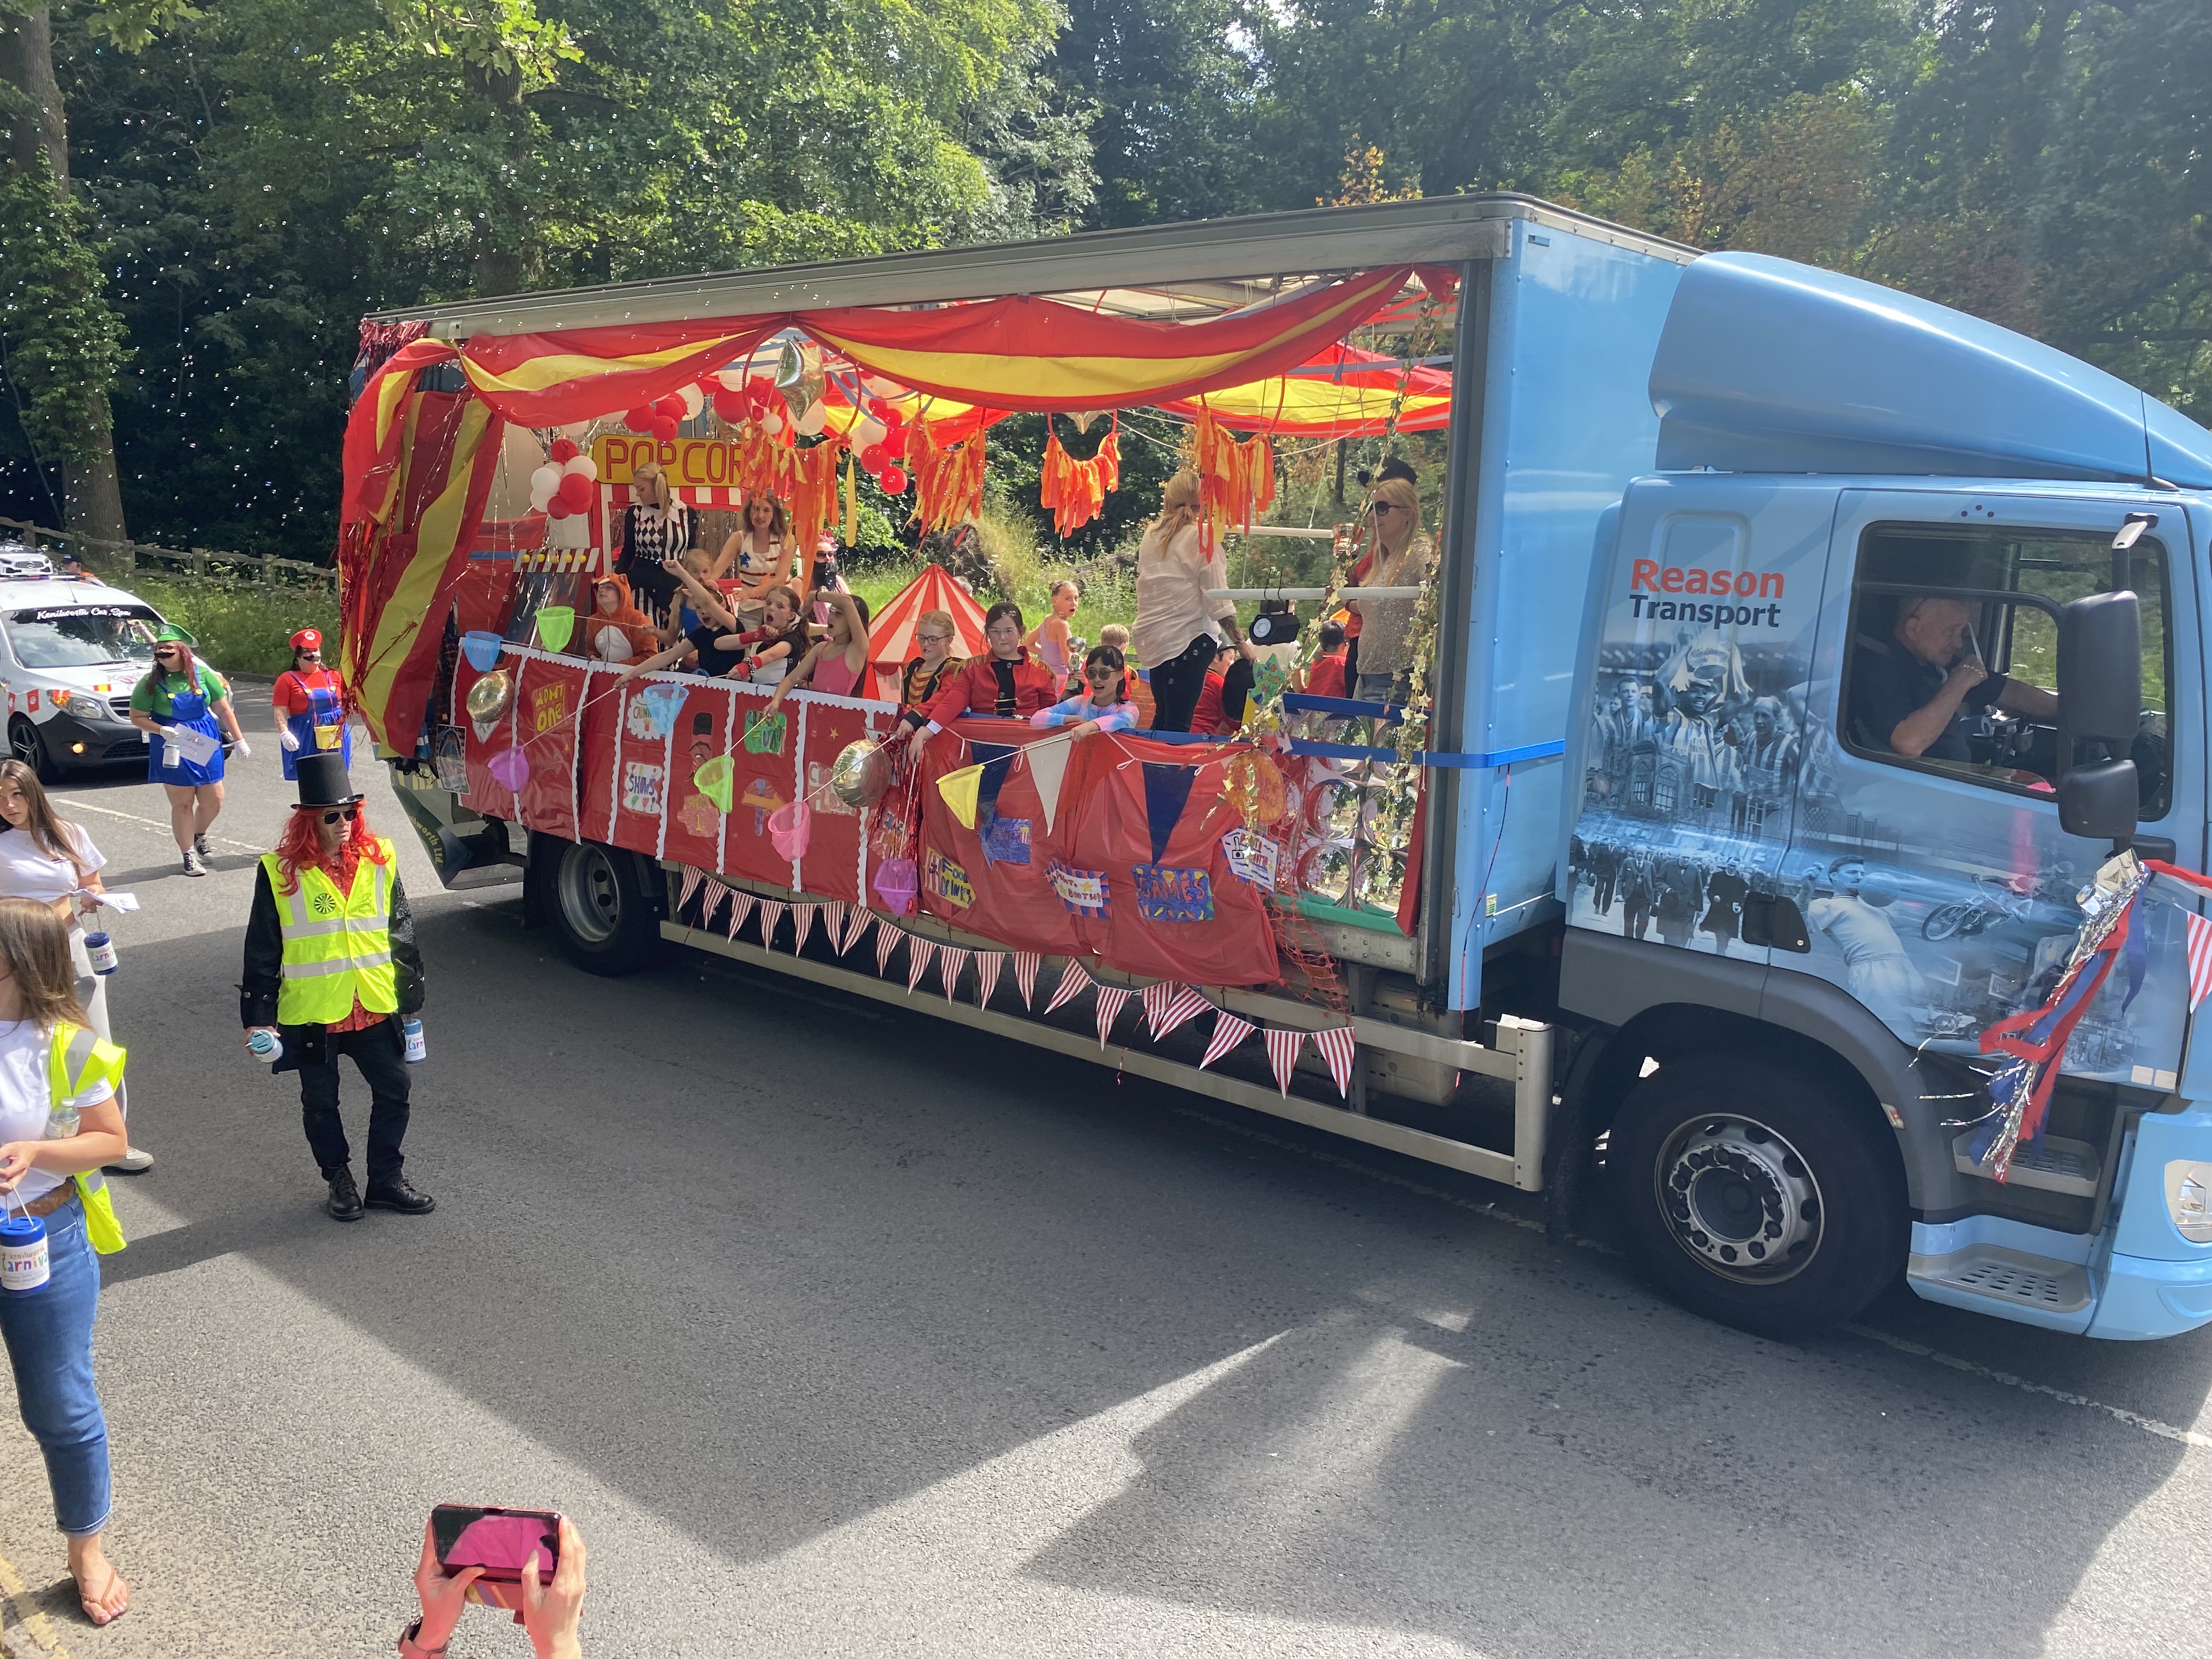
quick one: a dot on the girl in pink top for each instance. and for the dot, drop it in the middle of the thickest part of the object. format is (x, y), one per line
(836, 664)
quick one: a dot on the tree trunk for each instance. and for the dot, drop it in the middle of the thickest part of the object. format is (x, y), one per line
(92, 490)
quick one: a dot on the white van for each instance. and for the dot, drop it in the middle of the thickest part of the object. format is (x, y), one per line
(69, 652)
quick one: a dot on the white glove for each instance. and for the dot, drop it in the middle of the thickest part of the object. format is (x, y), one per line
(245, 749)
(289, 739)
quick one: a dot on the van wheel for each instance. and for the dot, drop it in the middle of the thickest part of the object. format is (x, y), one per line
(28, 747)
(608, 922)
(1758, 1194)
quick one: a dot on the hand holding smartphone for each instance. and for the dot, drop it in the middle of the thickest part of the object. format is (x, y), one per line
(500, 1542)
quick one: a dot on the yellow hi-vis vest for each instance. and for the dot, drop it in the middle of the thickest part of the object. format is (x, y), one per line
(338, 946)
(78, 1059)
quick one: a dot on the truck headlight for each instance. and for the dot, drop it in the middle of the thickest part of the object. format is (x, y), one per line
(2189, 1199)
(86, 707)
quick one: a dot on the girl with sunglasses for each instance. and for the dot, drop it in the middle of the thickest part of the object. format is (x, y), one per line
(180, 693)
(310, 705)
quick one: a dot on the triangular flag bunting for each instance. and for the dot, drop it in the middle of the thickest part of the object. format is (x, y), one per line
(802, 924)
(1336, 1047)
(1111, 1001)
(1026, 963)
(687, 885)
(1182, 1008)
(1155, 1000)
(1228, 1032)
(1048, 763)
(1283, 1054)
(1167, 787)
(918, 953)
(741, 906)
(833, 922)
(987, 963)
(771, 913)
(857, 928)
(950, 964)
(1071, 985)
(2200, 958)
(960, 790)
(716, 892)
(887, 938)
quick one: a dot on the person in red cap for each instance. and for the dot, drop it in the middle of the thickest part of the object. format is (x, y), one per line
(310, 704)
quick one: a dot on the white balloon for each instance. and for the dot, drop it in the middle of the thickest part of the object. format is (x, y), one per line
(584, 466)
(773, 421)
(693, 401)
(540, 498)
(870, 430)
(731, 380)
(810, 424)
(546, 479)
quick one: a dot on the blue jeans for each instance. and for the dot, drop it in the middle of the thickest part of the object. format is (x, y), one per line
(49, 1336)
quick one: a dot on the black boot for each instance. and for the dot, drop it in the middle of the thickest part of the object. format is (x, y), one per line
(397, 1195)
(344, 1201)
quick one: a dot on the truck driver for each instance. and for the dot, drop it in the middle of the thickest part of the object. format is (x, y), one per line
(1916, 696)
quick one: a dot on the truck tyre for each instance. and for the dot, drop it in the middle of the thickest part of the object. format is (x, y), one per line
(1758, 1194)
(608, 920)
(28, 747)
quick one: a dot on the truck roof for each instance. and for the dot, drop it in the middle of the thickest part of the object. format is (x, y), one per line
(1200, 268)
(1768, 366)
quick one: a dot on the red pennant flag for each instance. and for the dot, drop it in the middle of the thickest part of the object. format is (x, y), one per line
(1283, 1054)
(771, 913)
(741, 906)
(1072, 983)
(833, 923)
(1155, 999)
(1026, 963)
(857, 928)
(716, 892)
(1228, 1032)
(987, 963)
(1110, 1000)
(950, 965)
(1182, 1008)
(1336, 1047)
(802, 924)
(887, 938)
(2200, 958)
(918, 953)
(686, 885)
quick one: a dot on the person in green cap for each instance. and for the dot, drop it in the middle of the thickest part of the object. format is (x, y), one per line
(184, 707)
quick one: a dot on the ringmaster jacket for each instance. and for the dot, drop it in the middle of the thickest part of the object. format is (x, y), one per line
(310, 954)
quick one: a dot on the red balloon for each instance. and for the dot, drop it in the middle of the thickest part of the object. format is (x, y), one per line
(731, 408)
(894, 443)
(872, 458)
(640, 419)
(562, 451)
(670, 406)
(760, 386)
(576, 490)
(893, 481)
(891, 415)
(663, 427)
(558, 508)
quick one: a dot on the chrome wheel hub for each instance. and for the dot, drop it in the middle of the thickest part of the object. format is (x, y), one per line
(1739, 1197)
(590, 900)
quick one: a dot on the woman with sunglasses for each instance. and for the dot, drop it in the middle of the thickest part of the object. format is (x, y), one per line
(181, 694)
(331, 969)
(1404, 557)
(310, 705)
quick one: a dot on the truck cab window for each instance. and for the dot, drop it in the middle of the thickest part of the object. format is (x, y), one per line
(1947, 673)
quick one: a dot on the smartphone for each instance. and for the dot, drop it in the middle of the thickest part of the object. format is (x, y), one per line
(500, 1541)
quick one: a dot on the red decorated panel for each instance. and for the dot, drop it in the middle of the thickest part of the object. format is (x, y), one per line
(994, 879)
(595, 767)
(701, 777)
(487, 743)
(549, 701)
(765, 780)
(646, 712)
(837, 835)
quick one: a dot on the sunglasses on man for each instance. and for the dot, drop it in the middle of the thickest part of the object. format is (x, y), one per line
(343, 814)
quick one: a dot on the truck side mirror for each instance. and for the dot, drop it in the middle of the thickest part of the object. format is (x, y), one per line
(2100, 700)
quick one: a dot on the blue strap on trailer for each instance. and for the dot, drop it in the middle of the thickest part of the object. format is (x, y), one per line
(1430, 757)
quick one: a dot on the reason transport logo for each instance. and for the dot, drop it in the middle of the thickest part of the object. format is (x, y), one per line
(1647, 581)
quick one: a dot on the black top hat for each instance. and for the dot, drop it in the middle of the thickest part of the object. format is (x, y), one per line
(323, 781)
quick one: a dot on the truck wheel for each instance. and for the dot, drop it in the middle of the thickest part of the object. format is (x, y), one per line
(608, 922)
(28, 747)
(1758, 1194)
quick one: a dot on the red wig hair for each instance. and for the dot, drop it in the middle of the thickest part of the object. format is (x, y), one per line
(301, 847)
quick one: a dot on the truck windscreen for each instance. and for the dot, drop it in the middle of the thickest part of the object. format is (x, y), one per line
(82, 636)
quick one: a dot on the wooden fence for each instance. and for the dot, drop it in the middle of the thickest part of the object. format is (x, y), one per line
(121, 562)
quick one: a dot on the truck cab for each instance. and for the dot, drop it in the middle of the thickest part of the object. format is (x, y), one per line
(1830, 816)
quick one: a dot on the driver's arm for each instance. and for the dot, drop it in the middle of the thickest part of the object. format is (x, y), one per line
(2019, 697)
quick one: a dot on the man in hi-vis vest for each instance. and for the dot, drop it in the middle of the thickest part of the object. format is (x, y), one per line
(331, 970)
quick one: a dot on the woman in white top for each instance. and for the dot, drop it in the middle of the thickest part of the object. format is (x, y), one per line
(757, 554)
(1178, 628)
(44, 856)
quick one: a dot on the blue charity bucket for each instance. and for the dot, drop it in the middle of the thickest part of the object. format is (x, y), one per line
(481, 647)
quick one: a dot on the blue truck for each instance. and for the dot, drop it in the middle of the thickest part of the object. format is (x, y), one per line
(1807, 650)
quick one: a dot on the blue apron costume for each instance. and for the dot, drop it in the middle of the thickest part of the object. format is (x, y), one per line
(189, 710)
(324, 711)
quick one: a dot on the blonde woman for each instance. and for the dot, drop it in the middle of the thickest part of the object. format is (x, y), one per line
(1404, 557)
(758, 554)
(1179, 629)
(656, 531)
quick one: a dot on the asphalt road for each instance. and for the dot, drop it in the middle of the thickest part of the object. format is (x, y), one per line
(840, 1332)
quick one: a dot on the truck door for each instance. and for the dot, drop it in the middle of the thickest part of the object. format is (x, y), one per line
(1925, 850)
(1706, 624)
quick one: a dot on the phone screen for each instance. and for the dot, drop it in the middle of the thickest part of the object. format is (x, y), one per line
(500, 1541)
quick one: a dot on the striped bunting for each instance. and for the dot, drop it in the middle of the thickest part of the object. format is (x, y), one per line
(2200, 958)
(950, 965)
(1111, 999)
(1283, 1047)
(771, 913)
(716, 892)
(833, 924)
(1228, 1032)
(802, 924)
(887, 938)
(1336, 1047)
(857, 928)
(687, 884)
(741, 906)
(987, 963)
(1072, 983)
(1026, 963)
(918, 953)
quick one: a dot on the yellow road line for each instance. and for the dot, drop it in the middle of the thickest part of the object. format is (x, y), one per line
(35, 1623)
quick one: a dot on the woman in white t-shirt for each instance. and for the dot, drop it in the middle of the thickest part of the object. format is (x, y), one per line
(50, 1152)
(44, 856)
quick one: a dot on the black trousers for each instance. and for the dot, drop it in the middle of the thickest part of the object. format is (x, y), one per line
(1178, 684)
(377, 1052)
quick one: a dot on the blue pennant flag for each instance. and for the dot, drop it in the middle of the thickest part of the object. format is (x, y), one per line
(1167, 787)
